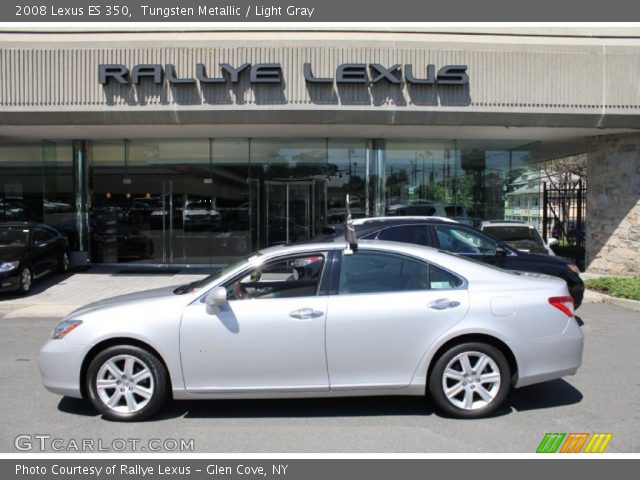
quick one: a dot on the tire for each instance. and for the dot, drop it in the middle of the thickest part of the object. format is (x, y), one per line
(132, 404)
(470, 393)
(25, 280)
(63, 266)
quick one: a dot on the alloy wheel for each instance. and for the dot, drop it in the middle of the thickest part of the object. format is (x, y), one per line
(65, 262)
(471, 380)
(25, 280)
(125, 384)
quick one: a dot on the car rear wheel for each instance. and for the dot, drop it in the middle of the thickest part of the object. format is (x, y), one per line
(127, 383)
(470, 380)
(25, 280)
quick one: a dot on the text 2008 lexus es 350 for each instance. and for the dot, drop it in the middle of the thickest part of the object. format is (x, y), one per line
(319, 320)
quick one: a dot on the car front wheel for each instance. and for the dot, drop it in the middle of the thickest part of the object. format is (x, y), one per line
(64, 262)
(25, 280)
(470, 380)
(127, 383)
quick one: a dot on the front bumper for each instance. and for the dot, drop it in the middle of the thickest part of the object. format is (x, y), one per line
(9, 281)
(547, 358)
(60, 365)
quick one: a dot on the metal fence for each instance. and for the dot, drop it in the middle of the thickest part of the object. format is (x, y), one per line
(564, 218)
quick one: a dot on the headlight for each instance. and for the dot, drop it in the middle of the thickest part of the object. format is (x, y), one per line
(64, 327)
(8, 266)
(574, 268)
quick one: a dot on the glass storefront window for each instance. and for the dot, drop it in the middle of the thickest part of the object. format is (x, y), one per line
(209, 201)
(36, 184)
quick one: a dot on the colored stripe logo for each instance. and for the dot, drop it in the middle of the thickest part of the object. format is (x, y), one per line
(574, 443)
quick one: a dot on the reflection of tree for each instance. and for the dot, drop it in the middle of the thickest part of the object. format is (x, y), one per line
(395, 183)
(432, 191)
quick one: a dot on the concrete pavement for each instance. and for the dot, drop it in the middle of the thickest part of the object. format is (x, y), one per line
(604, 396)
(57, 295)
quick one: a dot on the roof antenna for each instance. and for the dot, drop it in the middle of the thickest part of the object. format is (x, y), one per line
(349, 231)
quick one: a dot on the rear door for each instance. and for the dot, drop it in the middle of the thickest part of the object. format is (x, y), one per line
(387, 310)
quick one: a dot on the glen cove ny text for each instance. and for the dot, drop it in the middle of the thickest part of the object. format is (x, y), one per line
(249, 11)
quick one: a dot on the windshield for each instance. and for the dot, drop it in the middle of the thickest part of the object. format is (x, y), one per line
(14, 236)
(190, 287)
(520, 237)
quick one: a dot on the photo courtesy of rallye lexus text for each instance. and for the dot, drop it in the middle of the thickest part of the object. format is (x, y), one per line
(326, 319)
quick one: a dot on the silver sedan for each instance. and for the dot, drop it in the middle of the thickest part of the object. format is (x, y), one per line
(319, 320)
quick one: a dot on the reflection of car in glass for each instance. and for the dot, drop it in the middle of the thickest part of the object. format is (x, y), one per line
(56, 207)
(126, 243)
(520, 235)
(11, 209)
(29, 251)
(465, 240)
(233, 234)
(278, 231)
(140, 210)
(199, 214)
(429, 209)
(312, 320)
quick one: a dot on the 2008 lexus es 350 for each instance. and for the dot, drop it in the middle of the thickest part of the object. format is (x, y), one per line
(319, 320)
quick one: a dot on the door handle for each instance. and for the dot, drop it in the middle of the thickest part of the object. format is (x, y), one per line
(304, 313)
(443, 304)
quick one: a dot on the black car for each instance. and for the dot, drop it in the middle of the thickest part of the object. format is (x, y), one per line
(465, 240)
(29, 251)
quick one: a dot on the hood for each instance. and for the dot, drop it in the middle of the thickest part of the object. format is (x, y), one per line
(123, 300)
(10, 254)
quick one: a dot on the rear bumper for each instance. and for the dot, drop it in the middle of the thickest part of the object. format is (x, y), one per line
(576, 290)
(548, 358)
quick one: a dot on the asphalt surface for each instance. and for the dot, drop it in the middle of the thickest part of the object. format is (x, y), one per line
(603, 397)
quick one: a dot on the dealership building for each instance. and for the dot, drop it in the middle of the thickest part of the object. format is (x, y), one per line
(175, 148)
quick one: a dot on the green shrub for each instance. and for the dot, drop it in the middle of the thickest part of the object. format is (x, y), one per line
(623, 287)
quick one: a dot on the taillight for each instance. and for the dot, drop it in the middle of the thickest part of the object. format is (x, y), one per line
(564, 304)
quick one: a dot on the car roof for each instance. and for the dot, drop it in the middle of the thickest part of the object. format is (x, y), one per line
(457, 264)
(402, 219)
(506, 223)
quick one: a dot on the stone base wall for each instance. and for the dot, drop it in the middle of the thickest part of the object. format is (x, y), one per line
(613, 208)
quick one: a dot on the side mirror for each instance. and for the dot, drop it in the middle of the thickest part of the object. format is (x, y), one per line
(215, 298)
(552, 241)
(501, 251)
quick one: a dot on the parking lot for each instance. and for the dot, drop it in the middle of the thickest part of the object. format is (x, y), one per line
(603, 397)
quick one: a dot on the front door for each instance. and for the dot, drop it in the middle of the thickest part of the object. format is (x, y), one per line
(269, 336)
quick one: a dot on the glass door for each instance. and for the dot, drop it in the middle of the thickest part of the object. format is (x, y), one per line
(289, 212)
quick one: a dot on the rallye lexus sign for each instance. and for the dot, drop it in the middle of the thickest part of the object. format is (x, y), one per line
(271, 73)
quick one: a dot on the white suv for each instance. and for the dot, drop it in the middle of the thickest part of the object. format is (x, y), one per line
(520, 235)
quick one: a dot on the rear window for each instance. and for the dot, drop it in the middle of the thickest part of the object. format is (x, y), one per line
(507, 234)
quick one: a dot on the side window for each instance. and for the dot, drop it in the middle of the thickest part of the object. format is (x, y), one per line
(283, 278)
(461, 240)
(440, 279)
(405, 233)
(41, 236)
(375, 272)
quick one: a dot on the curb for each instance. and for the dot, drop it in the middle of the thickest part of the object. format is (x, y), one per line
(591, 296)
